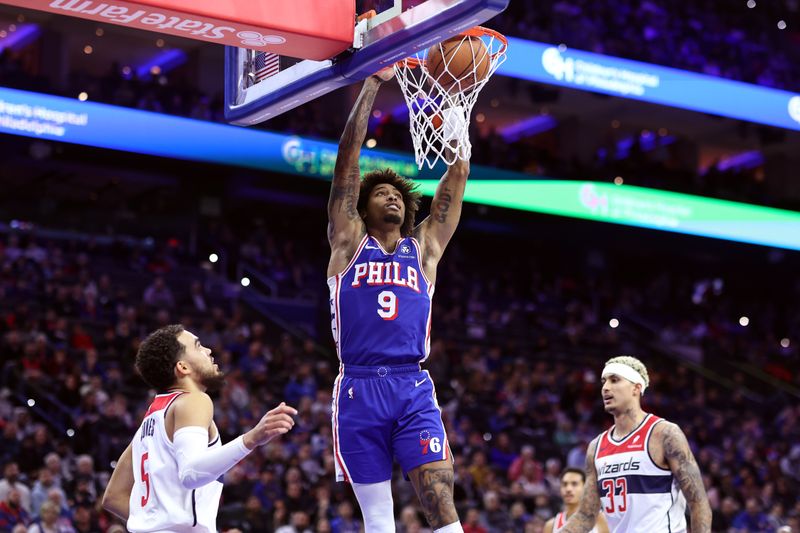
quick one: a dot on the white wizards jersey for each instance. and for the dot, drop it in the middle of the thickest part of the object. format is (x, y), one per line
(561, 520)
(158, 500)
(636, 495)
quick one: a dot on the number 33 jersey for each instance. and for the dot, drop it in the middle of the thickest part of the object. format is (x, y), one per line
(158, 500)
(381, 306)
(637, 495)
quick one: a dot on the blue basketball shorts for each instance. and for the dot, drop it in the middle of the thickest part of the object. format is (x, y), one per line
(381, 414)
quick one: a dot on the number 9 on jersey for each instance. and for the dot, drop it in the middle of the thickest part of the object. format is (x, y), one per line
(387, 301)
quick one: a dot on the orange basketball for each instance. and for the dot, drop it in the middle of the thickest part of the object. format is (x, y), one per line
(458, 63)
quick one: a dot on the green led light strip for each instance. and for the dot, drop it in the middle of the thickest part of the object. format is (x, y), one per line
(637, 206)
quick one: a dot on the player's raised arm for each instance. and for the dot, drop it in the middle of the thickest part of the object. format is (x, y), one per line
(345, 226)
(117, 496)
(682, 463)
(198, 464)
(436, 231)
(585, 517)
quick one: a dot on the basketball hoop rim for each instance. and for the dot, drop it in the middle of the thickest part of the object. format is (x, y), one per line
(477, 31)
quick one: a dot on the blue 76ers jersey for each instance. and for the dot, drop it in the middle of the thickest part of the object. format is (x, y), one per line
(381, 306)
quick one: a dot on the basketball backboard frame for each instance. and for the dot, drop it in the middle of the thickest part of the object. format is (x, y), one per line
(377, 44)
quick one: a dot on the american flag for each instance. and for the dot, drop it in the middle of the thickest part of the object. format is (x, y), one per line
(266, 65)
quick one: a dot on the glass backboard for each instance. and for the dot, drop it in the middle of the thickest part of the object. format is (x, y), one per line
(260, 86)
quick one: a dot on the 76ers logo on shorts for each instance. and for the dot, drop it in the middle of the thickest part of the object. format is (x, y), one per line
(428, 443)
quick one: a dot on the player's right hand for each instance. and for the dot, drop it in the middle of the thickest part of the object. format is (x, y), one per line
(273, 424)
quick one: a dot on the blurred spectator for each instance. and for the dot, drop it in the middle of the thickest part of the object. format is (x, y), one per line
(11, 481)
(410, 521)
(11, 511)
(197, 300)
(48, 521)
(344, 522)
(472, 522)
(300, 522)
(494, 515)
(158, 295)
(84, 519)
(44, 484)
(751, 519)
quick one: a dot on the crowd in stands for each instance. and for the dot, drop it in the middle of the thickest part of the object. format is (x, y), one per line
(516, 355)
(716, 37)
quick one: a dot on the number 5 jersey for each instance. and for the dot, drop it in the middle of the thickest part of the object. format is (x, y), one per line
(158, 500)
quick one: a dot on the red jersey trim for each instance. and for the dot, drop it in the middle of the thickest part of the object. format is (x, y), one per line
(162, 401)
(636, 441)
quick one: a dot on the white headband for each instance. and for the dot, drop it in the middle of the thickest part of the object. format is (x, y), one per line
(624, 371)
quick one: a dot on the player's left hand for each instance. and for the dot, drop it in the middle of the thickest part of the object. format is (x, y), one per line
(385, 74)
(276, 422)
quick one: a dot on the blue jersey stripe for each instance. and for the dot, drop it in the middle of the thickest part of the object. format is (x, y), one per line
(639, 485)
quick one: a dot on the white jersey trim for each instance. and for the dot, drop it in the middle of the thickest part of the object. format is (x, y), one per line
(647, 447)
(342, 472)
(353, 259)
(616, 442)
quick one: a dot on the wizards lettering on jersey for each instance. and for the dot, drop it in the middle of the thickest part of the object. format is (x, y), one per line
(615, 468)
(389, 273)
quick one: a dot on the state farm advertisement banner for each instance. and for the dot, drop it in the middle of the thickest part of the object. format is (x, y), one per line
(309, 29)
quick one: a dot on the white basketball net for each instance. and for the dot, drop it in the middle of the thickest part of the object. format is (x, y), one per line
(440, 108)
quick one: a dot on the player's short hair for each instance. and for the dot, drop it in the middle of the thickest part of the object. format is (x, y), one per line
(635, 364)
(573, 470)
(411, 196)
(157, 355)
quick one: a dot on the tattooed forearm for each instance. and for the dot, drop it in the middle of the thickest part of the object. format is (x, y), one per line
(434, 486)
(356, 129)
(346, 198)
(343, 201)
(442, 205)
(584, 518)
(580, 522)
(687, 473)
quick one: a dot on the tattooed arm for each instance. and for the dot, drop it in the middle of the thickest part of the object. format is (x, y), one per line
(345, 227)
(438, 228)
(585, 517)
(681, 462)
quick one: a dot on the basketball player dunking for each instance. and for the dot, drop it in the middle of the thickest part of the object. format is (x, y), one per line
(573, 481)
(168, 479)
(641, 472)
(382, 272)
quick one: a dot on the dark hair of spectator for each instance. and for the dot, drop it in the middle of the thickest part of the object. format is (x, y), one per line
(411, 197)
(157, 356)
(573, 470)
